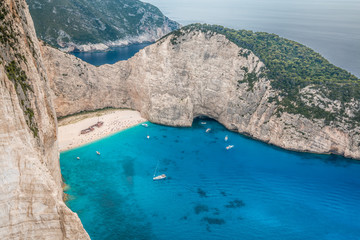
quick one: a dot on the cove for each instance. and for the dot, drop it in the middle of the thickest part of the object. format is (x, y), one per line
(252, 191)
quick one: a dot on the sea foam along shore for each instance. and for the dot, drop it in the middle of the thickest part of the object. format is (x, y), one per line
(114, 120)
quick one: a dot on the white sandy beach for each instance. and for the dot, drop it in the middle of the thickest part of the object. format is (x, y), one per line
(114, 120)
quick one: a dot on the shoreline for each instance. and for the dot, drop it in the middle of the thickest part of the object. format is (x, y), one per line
(104, 46)
(115, 120)
(109, 48)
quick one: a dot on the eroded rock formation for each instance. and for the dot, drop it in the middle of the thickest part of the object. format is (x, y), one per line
(170, 82)
(31, 205)
(173, 81)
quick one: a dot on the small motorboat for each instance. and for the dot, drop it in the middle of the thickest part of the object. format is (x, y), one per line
(203, 123)
(226, 138)
(148, 136)
(208, 130)
(162, 176)
(78, 158)
(97, 152)
(144, 125)
(229, 147)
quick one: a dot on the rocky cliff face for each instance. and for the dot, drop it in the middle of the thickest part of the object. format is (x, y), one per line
(87, 25)
(30, 180)
(181, 77)
(170, 82)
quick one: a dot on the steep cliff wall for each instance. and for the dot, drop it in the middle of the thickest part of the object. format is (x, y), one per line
(170, 82)
(31, 205)
(192, 74)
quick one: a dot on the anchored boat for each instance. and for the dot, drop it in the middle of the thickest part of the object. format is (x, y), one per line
(229, 147)
(162, 176)
(159, 177)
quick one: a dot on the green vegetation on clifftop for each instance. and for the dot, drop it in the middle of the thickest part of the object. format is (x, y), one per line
(65, 22)
(15, 62)
(290, 66)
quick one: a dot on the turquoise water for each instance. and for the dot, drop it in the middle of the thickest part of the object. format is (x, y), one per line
(252, 191)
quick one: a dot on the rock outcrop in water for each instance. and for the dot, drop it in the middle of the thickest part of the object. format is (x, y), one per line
(30, 180)
(197, 73)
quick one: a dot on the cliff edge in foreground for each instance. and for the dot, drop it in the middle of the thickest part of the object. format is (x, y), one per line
(290, 97)
(31, 205)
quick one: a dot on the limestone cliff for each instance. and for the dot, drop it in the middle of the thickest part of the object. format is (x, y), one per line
(192, 74)
(171, 82)
(30, 180)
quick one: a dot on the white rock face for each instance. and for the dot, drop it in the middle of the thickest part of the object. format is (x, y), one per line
(31, 205)
(151, 36)
(168, 83)
(198, 75)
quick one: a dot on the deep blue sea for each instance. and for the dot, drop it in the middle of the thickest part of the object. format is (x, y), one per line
(330, 27)
(250, 192)
(112, 55)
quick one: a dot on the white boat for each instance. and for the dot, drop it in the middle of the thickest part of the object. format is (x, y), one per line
(208, 130)
(203, 123)
(158, 177)
(226, 138)
(97, 152)
(144, 125)
(229, 147)
(162, 176)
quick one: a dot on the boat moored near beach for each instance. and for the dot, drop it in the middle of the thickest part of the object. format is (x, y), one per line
(158, 177)
(229, 147)
(162, 176)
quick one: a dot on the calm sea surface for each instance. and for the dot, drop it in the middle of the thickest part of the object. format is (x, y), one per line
(113, 55)
(330, 27)
(252, 191)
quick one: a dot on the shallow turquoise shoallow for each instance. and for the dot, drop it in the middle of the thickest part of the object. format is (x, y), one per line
(252, 191)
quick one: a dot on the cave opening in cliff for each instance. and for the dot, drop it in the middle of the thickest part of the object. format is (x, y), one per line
(203, 118)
